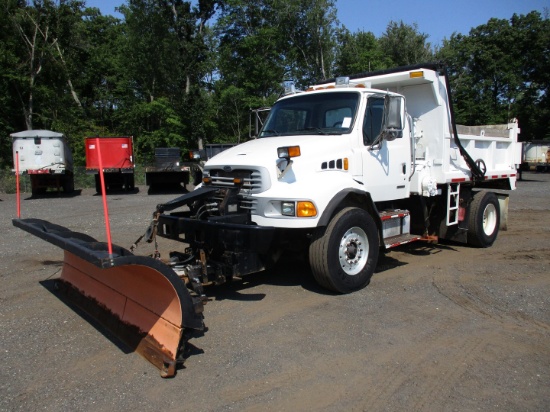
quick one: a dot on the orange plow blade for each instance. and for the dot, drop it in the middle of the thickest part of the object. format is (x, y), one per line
(138, 299)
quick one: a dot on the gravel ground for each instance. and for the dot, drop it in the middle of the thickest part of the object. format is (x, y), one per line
(440, 327)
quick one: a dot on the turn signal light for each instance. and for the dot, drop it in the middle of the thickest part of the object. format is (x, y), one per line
(288, 152)
(305, 209)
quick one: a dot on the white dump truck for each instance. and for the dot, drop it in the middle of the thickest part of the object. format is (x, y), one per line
(45, 156)
(343, 170)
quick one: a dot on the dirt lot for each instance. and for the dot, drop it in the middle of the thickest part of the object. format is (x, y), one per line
(439, 328)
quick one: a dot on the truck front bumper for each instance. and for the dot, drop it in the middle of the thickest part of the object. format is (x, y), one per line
(228, 246)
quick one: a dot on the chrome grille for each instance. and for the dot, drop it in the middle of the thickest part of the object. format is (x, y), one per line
(252, 180)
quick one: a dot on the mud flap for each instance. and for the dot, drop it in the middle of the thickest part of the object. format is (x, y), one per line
(140, 300)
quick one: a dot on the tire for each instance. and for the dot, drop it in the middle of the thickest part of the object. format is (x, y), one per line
(68, 184)
(483, 219)
(97, 184)
(129, 182)
(335, 260)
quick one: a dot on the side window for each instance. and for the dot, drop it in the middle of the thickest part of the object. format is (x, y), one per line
(374, 115)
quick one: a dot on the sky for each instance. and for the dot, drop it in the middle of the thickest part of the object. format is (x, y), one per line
(438, 19)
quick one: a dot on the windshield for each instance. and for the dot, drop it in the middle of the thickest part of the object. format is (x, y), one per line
(326, 113)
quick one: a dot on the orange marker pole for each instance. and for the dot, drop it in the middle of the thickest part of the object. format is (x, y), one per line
(104, 196)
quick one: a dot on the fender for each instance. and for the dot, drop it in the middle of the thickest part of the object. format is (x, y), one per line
(355, 197)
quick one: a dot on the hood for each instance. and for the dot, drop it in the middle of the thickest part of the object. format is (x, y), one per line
(263, 151)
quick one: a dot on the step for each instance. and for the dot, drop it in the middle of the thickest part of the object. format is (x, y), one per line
(399, 240)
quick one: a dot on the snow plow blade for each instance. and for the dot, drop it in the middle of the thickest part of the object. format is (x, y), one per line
(140, 300)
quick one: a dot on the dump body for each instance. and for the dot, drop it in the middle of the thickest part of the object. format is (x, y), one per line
(117, 159)
(46, 157)
(168, 171)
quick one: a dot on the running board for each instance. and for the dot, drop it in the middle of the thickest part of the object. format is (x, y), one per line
(396, 228)
(399, 240)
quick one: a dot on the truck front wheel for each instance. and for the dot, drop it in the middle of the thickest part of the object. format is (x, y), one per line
(343, 255)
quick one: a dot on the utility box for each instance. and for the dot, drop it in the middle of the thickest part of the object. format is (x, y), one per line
(45, 156)
(117, 161)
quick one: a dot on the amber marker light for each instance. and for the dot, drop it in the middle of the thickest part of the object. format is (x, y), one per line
(288, 152)
(417, 74)
(346, 163)
(305, 209)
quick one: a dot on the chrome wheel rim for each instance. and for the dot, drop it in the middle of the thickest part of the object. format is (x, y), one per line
(354, 251)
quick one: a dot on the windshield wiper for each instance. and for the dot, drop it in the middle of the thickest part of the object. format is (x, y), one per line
(313, 129)
(320, 131)
(272, 131)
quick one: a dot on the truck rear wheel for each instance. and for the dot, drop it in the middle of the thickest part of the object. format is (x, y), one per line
(484, 219)
(343, 255)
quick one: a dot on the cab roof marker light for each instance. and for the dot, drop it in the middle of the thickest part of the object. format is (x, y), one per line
(416, 74)
(342, 81)
(289, 86)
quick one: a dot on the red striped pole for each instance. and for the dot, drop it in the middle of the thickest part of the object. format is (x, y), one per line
(104, 196)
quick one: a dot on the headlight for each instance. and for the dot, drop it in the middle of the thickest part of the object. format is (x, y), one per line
(299, 209)
(288, 209)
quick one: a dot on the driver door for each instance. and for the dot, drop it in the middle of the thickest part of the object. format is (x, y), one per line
(386, 151)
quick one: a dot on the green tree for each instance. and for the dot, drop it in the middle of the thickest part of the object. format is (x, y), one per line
(405, 45)
(500, 70)
(261, 44)
(165, 57)
(309, 32)
(360, 52)
(251, 63)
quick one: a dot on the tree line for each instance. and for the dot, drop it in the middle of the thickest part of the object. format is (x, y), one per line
(172, 73)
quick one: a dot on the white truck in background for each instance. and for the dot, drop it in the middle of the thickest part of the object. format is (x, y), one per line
(45, 157)
(536, 155)
(342, 171)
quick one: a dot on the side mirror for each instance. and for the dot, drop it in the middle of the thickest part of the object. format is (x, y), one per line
(393, 125)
